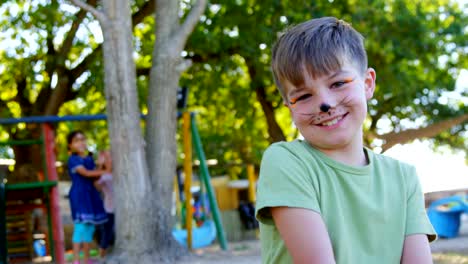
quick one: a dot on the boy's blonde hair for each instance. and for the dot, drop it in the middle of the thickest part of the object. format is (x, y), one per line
(318, 47)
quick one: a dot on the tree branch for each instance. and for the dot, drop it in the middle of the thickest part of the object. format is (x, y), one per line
(21, 98)
(393, 138)
(144, 11)
(84, 65)
(100, 16)
(191, 20)
(68, 42)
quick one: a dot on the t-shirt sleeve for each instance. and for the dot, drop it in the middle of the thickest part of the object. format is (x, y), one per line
(417, 221)
(74, 162)
(283, 181)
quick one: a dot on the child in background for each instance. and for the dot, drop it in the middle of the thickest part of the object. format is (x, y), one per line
(85, 201)
(104, 184)
(327, 198)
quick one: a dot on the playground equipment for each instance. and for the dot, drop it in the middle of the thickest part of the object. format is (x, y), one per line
(48, 191)
(199, 236)
(445, 214)
(45, 191)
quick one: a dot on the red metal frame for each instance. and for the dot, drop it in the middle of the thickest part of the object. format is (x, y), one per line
(58, 236)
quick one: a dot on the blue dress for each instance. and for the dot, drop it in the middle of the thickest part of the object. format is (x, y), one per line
(85, 201)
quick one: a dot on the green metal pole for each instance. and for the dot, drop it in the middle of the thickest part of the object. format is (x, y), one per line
(205, 174)
(24, 142)
(49, 225)
(3, 241)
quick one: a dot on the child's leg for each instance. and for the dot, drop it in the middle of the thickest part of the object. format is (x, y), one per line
(87, 239)
(100, 229)
(102, 252)
(77, 238)
(86, 253)
(76, 253)
(107, 234)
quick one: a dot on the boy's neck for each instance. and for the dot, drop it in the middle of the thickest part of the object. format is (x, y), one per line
(352, 154)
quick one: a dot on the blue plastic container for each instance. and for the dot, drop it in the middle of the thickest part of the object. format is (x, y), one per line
(447, 222)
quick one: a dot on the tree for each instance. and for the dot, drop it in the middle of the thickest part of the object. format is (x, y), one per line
(417, 59)
(417, 47)
(144, 181)
(51, 62)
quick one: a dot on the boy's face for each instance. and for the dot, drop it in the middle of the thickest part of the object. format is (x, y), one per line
(329, 110)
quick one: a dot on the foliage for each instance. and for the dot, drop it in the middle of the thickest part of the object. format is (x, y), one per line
(418, 49)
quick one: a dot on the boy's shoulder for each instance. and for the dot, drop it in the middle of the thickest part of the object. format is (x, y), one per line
(292, 146)
(286, 148)
(388, 162)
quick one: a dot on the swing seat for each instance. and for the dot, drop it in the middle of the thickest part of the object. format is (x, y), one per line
(201, 236)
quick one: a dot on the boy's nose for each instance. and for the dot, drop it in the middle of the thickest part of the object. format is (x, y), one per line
(324, 107)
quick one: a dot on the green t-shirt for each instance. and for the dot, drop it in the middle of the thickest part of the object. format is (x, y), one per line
(367, 210)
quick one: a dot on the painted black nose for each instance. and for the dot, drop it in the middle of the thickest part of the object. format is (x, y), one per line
(325, 107)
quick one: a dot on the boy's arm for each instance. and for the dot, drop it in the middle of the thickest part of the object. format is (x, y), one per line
(304, 234)
(89, 173)
(416, 250)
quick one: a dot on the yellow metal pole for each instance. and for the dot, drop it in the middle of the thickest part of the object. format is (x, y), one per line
(252, 183)
(177, 198)
(188, 176)
(252, 187)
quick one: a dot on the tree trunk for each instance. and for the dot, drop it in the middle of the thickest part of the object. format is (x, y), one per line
(161, 123)
(135, 226)
(162, 113)
(143, 219)
(274, 130)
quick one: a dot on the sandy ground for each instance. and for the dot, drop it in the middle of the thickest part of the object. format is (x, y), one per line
(238, 252)
(249, 251)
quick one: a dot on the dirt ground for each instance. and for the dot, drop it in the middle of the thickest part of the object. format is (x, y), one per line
(445, 251)
(238, 252)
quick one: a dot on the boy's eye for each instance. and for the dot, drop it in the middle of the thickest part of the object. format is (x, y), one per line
(300, 98)
(341, 83)
(338, 84)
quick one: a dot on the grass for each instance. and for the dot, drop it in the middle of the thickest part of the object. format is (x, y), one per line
(450, 258)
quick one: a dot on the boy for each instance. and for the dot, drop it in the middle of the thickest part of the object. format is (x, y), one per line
(327, 199)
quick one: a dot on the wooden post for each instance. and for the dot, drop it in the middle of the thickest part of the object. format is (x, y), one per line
(58, 237)
(252, 183)
(3, 240)
(188, 176)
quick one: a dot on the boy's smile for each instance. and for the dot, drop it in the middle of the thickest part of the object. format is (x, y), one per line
(344, 93)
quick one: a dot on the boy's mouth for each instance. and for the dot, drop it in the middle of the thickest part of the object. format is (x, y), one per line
(331, 122)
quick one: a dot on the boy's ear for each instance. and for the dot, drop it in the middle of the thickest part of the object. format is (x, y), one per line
(369, 82)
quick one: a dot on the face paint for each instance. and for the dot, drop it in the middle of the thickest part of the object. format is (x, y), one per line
(324, 107)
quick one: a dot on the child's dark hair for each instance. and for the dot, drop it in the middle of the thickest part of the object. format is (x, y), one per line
(71, 136)
(317, 47)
